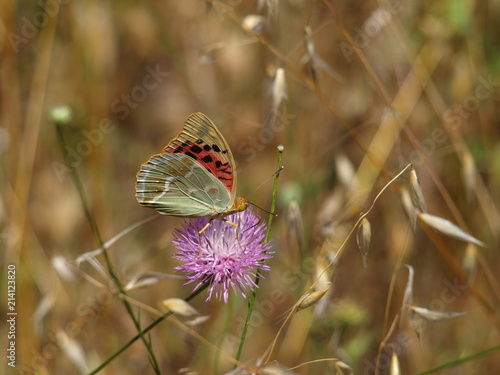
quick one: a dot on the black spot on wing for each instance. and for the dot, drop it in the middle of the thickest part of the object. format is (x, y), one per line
(196, 149)
(191, 155)
(223, 167)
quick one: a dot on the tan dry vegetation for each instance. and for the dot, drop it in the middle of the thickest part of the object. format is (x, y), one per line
(369, 87)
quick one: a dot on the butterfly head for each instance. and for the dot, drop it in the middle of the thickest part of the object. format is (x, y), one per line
(240, 204)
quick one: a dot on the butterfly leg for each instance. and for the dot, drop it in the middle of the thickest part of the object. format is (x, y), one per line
(208, 224)
(230, 222)
(200, 238)
(237, 232)
(205, 227)
(238, 239)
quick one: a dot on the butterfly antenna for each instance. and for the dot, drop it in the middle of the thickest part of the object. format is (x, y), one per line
(266, 211)
(266, 181)
(262, 184)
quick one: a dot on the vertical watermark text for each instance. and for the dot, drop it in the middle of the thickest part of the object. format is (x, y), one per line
(11, 315)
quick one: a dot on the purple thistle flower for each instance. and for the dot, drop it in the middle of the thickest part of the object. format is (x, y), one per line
(223, 255)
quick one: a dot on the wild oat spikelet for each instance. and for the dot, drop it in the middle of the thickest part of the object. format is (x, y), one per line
(294, 230)
(363, 237)
(469, 174)
(447, 227)
(469, 262)
(417, 195)
(312, 298)
(408, 206)
(279, 88)
(395, 368)
(253, 24)
(179, 307)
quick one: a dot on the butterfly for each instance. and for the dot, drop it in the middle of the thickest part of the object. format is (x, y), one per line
(194, 175)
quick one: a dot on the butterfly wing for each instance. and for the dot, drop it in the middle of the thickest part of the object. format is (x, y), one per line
(201, 140)
(178, 185)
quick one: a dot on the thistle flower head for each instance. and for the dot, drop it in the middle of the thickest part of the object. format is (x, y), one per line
(223, 255)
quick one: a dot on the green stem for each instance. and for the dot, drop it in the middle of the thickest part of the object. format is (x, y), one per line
(97, 236)
(146, 330)
(251, 300)
(460, 360)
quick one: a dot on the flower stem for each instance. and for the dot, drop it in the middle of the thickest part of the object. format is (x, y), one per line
(275, 193)
(97, 235)
(145, 330)
(251, 300)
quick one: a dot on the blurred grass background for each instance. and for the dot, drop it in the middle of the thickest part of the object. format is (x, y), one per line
(370, 87)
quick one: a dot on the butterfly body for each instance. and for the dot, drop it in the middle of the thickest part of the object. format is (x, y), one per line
(193, 176)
